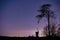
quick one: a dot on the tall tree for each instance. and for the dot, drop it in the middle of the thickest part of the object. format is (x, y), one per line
(46, 12)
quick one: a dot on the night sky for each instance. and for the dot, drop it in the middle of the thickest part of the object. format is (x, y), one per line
(17, 17)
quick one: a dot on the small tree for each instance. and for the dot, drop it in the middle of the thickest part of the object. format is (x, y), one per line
(45, 30)
(53, 29)
(58, 32)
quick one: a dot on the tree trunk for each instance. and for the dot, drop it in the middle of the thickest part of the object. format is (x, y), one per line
(48, 24)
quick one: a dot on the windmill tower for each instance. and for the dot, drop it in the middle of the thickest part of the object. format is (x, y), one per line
(37, 33)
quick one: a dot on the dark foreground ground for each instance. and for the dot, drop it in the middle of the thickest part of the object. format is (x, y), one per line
(29, 38)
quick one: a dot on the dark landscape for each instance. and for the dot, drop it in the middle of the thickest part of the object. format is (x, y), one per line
(29, 38)
(19, 20)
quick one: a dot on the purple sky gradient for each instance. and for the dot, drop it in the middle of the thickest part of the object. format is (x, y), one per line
(18, 16)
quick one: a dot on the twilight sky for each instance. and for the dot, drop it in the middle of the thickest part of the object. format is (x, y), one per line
(17, 17)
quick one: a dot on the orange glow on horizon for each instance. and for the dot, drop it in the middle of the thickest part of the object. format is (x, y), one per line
(23, 33)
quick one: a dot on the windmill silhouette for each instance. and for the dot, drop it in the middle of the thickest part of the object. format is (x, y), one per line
(37, 32)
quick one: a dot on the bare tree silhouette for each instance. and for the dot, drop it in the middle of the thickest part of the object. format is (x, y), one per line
(58, 32)
(53, 30)
(46, 12)
(45, 30)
